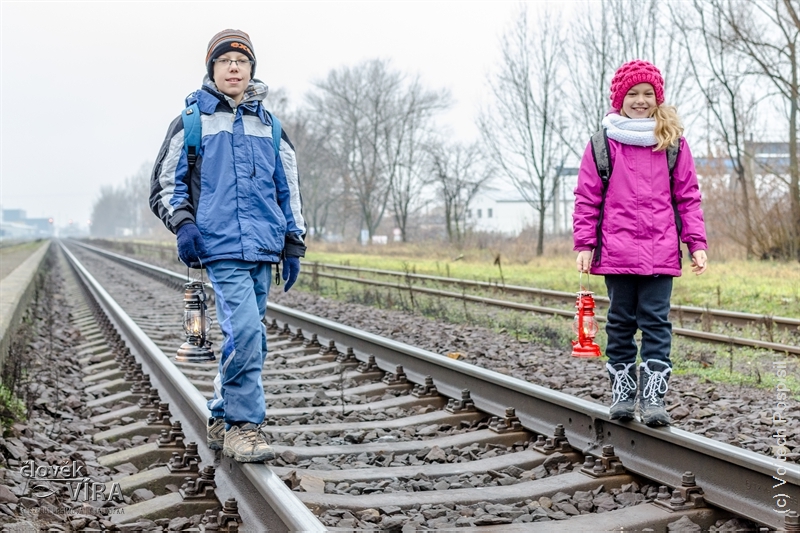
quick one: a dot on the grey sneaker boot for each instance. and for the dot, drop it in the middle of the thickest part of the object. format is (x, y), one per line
(215, 433)
(623, 390)
(247, 444)
(653, 378)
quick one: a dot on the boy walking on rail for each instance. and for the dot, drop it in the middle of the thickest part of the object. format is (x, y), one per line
(234, 204)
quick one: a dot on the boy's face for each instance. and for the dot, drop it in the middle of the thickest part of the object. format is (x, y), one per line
(232, 79)
(639, 101)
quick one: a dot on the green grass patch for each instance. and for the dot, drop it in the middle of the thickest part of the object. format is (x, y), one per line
(12, 409)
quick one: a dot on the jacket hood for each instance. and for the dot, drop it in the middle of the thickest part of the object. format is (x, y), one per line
(256, 91)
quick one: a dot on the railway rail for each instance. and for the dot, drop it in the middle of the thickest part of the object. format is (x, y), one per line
(365, 427)
(683, 311)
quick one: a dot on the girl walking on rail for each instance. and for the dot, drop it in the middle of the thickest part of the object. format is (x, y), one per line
(637, 198)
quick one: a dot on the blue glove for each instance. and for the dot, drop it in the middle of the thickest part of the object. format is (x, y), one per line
(291, 268)
(190, 245)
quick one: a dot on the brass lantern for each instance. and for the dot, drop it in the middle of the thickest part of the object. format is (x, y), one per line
(196, 324)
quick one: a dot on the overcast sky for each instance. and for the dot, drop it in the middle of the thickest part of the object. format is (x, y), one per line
(89, 88)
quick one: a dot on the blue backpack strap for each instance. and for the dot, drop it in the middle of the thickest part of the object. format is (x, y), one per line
(276, 134)
(192, 133)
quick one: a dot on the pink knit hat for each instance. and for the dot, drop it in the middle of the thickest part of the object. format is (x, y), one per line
(633, 73)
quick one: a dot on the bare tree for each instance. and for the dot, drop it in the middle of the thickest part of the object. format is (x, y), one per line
(373, 115)
(721, 77)
(415, 109)
(603, 38)
(321, 174)
(592, 56)
(123, 209)
(524, 128)
(768, 32)
(111, 212)
(459, 172)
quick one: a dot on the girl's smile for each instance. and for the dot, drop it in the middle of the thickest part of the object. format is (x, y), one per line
(639, 101)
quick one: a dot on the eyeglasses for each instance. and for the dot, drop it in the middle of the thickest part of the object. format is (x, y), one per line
(240, 63)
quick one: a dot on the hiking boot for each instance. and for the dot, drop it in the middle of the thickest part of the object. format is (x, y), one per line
(623, 390)
(653, 378)
(215, 433)
(247, 444)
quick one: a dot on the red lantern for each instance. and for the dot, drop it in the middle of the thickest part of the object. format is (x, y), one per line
(585, 327)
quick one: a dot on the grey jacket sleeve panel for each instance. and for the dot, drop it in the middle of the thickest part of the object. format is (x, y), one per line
(169, 182)
(287, 182)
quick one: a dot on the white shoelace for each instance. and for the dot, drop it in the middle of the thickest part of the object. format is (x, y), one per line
(623, 383)
(656, 386)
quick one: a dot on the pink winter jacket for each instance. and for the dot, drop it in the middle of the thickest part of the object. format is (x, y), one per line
(639, 235)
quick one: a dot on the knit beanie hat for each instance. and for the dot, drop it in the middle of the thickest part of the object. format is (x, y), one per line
(633, 73)
(229, 41)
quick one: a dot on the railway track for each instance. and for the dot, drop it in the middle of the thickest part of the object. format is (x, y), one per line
(373, 433)
(680, 314)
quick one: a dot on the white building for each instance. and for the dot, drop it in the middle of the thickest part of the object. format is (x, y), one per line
(502, 209)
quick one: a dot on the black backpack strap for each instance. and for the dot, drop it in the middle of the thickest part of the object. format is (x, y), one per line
(602, 162)
(673, 150)
(600, 153)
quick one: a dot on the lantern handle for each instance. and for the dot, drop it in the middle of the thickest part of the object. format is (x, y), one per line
(580, 281)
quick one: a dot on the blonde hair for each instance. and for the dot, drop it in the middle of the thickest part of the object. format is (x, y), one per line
(668, 126)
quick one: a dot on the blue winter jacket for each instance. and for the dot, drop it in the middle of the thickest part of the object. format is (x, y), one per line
(245, 201)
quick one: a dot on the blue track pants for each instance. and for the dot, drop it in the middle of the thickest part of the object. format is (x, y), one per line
(241, 294)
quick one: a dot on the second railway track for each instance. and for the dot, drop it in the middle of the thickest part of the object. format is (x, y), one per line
(679, 313)
(373, 433)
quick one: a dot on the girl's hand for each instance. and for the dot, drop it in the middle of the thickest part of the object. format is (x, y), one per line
(584, 261)
(699, 262)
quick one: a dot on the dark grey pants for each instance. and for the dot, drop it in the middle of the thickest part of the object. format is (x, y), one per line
(638, 302)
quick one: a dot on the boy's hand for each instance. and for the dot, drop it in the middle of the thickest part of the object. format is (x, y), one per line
(291, 269)
(190, 244)
(584, 261)
(699, 262)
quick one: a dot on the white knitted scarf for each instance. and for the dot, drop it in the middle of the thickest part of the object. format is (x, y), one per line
(635, 131)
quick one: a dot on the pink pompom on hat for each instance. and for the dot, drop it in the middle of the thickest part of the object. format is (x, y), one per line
(633, 73)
